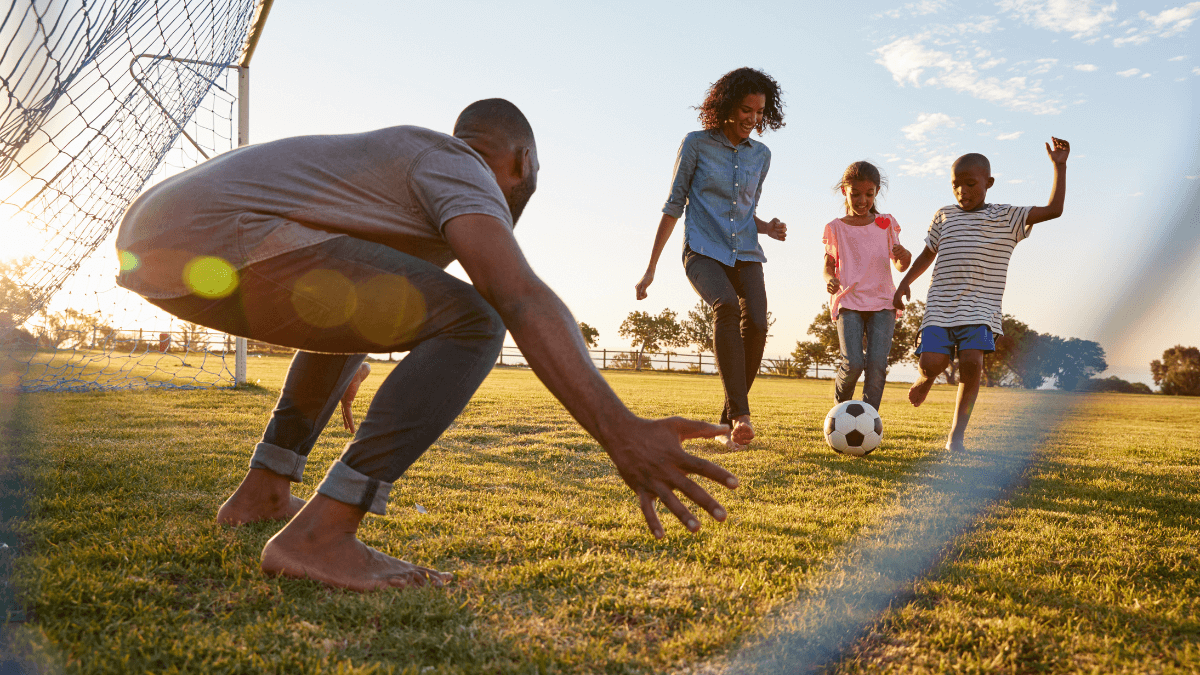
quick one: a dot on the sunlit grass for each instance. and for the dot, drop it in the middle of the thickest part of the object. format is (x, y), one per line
(124, 570)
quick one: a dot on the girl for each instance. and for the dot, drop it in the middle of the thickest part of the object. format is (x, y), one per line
(857, 248)
(719, 175)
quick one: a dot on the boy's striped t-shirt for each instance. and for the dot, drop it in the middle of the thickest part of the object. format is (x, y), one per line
(973, 249)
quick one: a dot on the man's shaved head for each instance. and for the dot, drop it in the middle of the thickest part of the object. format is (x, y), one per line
(972, 160)
(497, 118)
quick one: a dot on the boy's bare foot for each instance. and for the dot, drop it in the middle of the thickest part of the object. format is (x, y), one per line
(320, 544)
(919, 390)
(263, 495)
(351, 391)
(743, 431)
(956, 446)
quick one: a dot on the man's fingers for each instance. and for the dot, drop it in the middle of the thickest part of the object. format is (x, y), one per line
(710, 470)
(681, 512)
(688, 429)
(646, 501)
(701, 498)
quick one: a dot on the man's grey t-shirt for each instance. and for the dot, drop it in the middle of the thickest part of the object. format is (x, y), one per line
(396, 186)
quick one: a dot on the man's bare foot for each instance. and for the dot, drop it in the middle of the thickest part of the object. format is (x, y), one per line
(263, 495)
(351, 391)
(743, 431)
(919, 390)
(320, 544)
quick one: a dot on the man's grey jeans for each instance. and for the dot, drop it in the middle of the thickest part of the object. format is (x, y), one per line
(337, 301)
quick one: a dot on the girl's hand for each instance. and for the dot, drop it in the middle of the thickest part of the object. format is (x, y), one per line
(902, 254)
(775, 229)
(647, 279)
(833, 285)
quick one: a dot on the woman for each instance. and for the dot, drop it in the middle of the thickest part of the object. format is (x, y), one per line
(719, 175)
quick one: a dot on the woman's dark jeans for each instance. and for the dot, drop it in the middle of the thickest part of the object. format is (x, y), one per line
(336, 302)
(738, 298)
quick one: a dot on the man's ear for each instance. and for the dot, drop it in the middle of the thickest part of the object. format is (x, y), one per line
(522, 162)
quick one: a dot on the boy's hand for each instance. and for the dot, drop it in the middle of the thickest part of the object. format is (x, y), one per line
(1058, 153)
(832, 285)
(902, 254)
(902, 294)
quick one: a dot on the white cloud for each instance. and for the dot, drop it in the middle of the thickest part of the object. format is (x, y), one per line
(1081, 18)
(1191, 177)
(935, 165)
(927, 123)
(1164, 24)
(1017, 180)
(909, 60)
(1145, 75)
(1129, 73)
(1196, 70)
(1137, 194)
(1043, 66)
(917, 8)
(1011, 136)
(1177, 58)
(1087, 67)
(983, 121)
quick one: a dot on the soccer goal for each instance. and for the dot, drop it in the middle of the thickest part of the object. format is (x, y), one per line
(102, 98)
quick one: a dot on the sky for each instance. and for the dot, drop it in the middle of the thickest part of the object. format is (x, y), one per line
(610, 90)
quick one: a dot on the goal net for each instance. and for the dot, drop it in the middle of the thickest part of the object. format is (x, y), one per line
(103, 97)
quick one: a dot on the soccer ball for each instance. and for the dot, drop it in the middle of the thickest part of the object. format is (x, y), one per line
(853, 428)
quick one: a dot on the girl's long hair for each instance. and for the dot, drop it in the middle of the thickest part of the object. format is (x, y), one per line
(863, 170)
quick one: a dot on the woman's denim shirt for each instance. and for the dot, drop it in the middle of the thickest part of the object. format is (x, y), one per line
(720, 184)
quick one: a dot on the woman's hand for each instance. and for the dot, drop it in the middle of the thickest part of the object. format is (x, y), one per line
(833, 285)
(776, 229)
(647, 279)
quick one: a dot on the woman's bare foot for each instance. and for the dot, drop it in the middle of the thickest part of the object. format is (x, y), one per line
(730, 444)
(743, 431)
(919, 390)
(263, 495)
(320, 544)
(351, 391)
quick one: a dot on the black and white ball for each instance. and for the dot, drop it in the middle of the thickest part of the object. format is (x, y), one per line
(853, 428)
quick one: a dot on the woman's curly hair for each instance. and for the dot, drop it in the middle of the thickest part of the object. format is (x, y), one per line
(728, 92)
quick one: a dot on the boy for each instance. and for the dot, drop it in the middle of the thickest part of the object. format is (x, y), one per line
(972, 241)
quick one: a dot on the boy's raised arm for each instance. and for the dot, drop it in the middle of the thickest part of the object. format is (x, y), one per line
(1058, 194)
(918, 268)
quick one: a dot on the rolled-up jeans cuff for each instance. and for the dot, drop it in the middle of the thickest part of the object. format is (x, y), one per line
(351, 487)
(280, 460)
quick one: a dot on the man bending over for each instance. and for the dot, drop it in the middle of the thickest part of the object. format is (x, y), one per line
(336, 246)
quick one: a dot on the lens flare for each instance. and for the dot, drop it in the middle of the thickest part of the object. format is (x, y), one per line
(129, 261)
(390, 311)
(324, 298)
(209, 277)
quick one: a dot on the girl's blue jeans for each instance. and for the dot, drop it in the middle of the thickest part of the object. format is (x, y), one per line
(866, 339)
(336, 302)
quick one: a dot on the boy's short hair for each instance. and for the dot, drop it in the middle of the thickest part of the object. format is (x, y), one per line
(972, 159)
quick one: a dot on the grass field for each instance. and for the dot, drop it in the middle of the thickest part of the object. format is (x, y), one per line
(1088, 564)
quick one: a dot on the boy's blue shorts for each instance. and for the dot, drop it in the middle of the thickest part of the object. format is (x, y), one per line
(949, 340)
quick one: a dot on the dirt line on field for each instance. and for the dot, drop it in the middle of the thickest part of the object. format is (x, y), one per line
(877, 569)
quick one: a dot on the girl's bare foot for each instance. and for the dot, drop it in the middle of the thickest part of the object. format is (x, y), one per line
(351, 391)
(320, 544)
(263, 495)
(743, 431)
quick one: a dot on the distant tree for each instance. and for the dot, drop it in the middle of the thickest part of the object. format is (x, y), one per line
(15, 299)
(908, 328)
(698, 327)
(825, 331)
(69, 327)
(1178, 373)
(589, 334)
(193, 336)
(1113, 383)
(1075, 361)
(806, 355)
(652, 333)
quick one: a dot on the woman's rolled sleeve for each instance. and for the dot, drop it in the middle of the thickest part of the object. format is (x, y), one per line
(681, 183)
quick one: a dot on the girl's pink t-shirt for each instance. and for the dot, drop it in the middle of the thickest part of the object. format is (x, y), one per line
(862, 256)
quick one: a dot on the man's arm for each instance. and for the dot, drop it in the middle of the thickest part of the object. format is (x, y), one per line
(922, 263)
(1058, 194)
(647, 453)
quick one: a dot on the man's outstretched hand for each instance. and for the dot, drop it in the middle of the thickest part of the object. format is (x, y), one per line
(652, 462)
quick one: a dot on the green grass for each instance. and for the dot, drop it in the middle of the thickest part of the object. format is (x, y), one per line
(1090, 565)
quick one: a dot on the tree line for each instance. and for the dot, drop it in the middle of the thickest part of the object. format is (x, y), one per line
(1023, 358)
